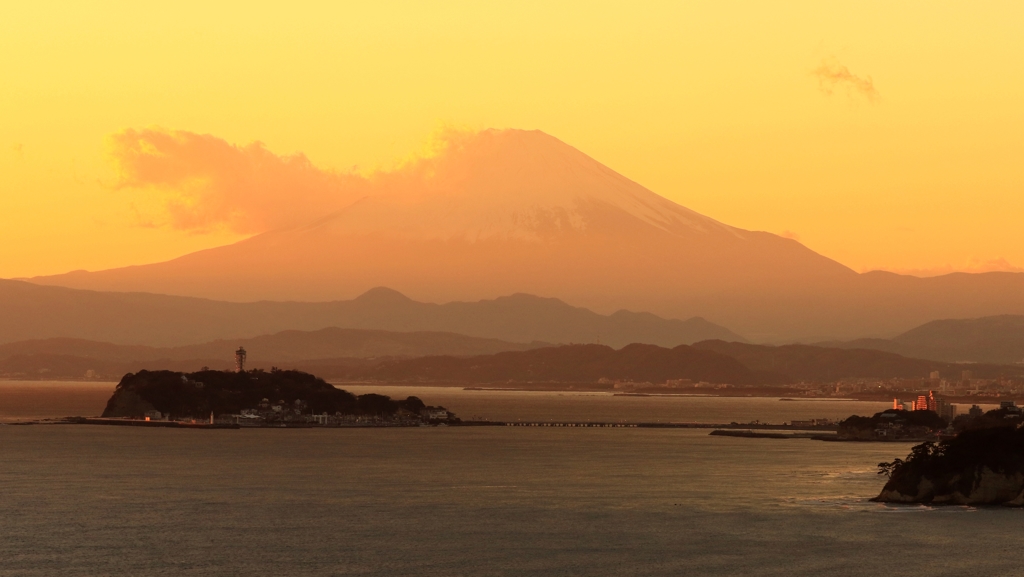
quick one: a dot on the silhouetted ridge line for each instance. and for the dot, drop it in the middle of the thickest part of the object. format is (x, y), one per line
(822, 364)
(575, 363)
(32, 311)
(992, 339)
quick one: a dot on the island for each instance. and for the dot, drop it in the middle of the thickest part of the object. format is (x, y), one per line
(983, 464)
(892, 425)
(257, 398)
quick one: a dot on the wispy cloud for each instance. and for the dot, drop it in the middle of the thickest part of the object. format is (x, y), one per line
(203, 183)
(834, 76)
(198, 182)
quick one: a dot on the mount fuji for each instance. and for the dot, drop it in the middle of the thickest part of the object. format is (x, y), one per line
(513, 211)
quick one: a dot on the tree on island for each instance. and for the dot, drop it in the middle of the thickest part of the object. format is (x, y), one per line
(196, 395)
(957, 467)
(1002, 417)
(910, 421)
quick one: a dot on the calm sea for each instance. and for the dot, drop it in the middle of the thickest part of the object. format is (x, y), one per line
(81, 500)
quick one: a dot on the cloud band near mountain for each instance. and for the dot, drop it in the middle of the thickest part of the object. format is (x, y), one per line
(206, 183)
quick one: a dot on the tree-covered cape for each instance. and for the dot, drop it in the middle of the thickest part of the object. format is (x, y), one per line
(926, 419)
(978, 466)
(198, 394)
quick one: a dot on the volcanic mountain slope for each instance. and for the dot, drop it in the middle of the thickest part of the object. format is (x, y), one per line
(31, 311)
(520, 211)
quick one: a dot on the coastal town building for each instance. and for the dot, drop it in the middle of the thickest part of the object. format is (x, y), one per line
(928, 402)
(434, 413)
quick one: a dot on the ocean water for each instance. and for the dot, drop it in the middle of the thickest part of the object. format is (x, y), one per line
(607, 407)
(90, 500)
(26, 400)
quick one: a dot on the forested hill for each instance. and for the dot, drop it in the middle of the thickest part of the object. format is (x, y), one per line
(709, 361)
(225, 392)
(576, 363)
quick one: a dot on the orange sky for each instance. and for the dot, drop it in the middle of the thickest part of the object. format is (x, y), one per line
(881, 134)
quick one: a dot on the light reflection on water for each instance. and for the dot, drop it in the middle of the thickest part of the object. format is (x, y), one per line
(81, 500)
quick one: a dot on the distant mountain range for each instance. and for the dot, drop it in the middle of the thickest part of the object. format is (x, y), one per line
(284, 346)
(513, 211)
(572, 363)
(72, 358)
(429, 357)
(711, 361)
(796, 363)
(996, 339)
(31, 311)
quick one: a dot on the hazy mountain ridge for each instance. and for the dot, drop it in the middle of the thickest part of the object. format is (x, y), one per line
(76, 358)
(823, 364)
(711, 361)
(415, 357)
(572, 363)
(37, 312)
(288, 345)
(993, 339)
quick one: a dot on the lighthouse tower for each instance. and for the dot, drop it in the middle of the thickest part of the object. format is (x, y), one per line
(240, 360)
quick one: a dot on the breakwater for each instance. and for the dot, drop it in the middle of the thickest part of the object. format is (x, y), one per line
(121, 422)
(586, 424)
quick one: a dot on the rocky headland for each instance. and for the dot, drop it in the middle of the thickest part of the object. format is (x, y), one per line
(982, 466)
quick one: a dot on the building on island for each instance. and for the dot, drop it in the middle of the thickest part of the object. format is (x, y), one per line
(434, 413)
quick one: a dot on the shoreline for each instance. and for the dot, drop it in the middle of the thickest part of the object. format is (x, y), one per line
(826, 433)
(126, 422)
(740, 393)
(753, 392)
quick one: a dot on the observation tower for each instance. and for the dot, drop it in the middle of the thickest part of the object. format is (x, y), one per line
(240, 360)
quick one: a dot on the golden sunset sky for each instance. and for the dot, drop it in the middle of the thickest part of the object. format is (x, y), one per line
(881, 134)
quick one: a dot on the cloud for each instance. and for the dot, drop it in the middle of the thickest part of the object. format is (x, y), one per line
(974, 265)
(790, 235)
(198, 182)
(203, 183)
(832, 75)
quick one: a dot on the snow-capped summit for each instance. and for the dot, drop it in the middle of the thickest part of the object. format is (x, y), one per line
(510, 184)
